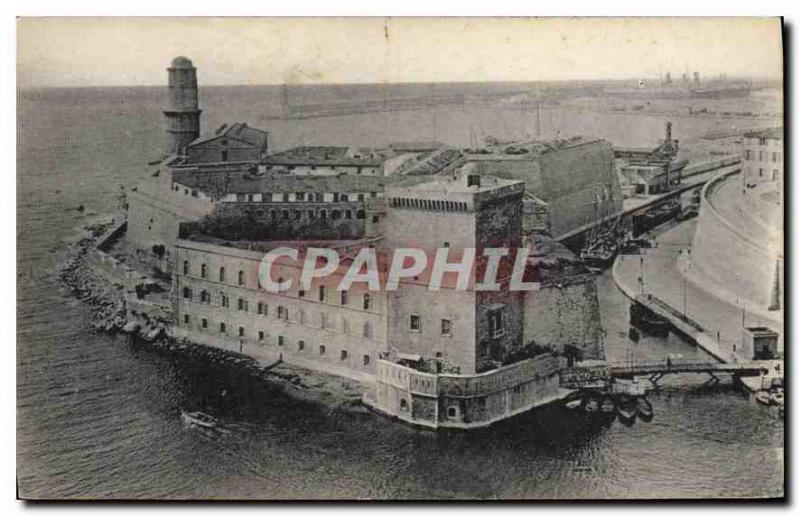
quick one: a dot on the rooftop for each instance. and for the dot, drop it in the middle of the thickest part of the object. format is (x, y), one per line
(181, 62)
(524, 149)
(242, 181)
(329, 155)
(237, 131)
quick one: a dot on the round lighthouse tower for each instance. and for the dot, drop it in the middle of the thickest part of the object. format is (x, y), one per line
(183, 115)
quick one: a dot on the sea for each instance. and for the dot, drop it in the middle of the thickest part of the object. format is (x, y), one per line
(98, 416)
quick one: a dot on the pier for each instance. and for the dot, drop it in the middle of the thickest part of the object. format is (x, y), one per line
(693, 177)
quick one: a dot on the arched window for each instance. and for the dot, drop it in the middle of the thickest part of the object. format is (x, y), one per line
(367, 330)
(366, 301)
(204, 271)
(185, 267)
(241, 277)
(222, 273)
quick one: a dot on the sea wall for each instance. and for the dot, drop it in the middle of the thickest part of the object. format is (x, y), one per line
(566, 313)
(465, 401)
(729, 256)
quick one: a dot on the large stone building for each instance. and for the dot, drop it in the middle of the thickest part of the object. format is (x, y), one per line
(575, 177)
(457, 357)
(763, 156)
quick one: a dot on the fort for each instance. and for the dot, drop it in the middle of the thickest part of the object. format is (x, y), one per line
(206, 213)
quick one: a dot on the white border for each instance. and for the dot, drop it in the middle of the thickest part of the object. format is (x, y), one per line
(299, 8)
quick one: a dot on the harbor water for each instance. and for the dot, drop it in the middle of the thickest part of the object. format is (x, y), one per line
(99, 416)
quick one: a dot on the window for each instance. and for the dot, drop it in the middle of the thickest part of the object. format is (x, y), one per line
(366, 302)
(496, 323)
(186, 319)
(322, 292)
(301, 345)
(260, 308)
(260, 335)
(204, 271)
(205, 296)
(286, 199)
(336, 215)
(241, 331)
(344, 297)
(366, 330)
(283, 313)
(297, 214)
(321, 350)
(414, 322)
(348, 214)
(204, 323)
(222, 273)
(447, 327)
(301, 316)
(222, 327)
(345, 325)
(404, 404)
(374, 219)
(285, 214)
(366, 360)
(186, 267)
(281, 340)
(323, 321)
(301, 293)
(187, 293)
(224, 154)
(774, 157)
(452, 412)
(300, 196)
(241, 277)
(343, 354)
(242, 304)
(225, 301)
(748, 154)
(249, 197)
(360, 214)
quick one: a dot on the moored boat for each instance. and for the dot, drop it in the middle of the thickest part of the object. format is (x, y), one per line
(644, 409)
(607, 405)
(763, 397)
(646, 320)
(199, 419)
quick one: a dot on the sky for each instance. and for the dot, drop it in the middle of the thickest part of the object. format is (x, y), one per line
(58, 52)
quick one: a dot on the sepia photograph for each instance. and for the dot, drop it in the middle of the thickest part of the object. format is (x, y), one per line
(400, 258)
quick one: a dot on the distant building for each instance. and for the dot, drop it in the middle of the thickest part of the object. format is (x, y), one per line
(230, 143)
(575, 177)
(318, 161)
(762, 153)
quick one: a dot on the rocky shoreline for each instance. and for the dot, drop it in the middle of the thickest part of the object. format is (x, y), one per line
(106, 302)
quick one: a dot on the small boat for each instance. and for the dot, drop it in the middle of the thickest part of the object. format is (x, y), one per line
(644, 409)
(591, 404)
(573, 404)
(764, 398)
(646, 320)
(607, 406)
(626, 409)
(776, 397)
(599, 258)
(199, 419)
